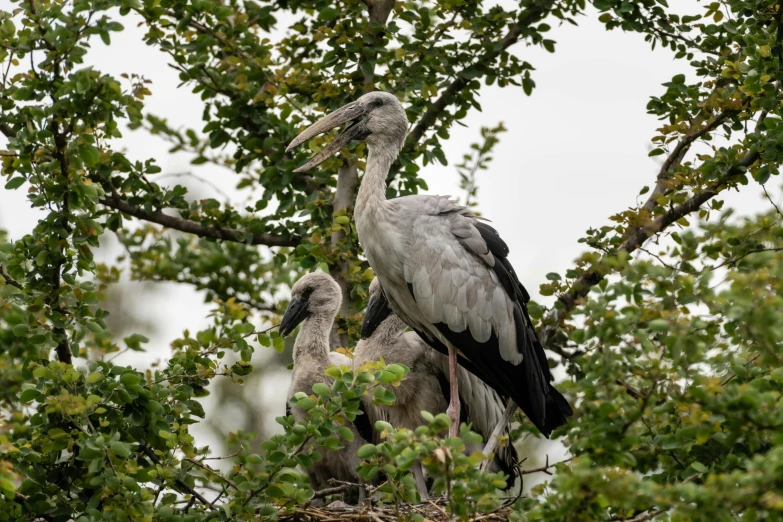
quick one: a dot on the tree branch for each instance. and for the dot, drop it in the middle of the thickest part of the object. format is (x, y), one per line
(676, 155)
(582, 286)
(193, 227)
(7, 130)
(528, 17)
(8, 279)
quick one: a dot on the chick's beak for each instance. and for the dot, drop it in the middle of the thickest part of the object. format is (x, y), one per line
(294, 314)
(347, 114)
(377, 311)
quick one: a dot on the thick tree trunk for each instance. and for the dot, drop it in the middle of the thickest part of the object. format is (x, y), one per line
(348, 178)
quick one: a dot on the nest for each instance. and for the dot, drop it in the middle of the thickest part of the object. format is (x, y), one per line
(433, 510)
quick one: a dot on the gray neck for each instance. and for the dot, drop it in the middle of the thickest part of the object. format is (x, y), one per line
(313, 339)
(372, 192)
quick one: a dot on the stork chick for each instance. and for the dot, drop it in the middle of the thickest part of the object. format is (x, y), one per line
(315, 300)
(426, 387)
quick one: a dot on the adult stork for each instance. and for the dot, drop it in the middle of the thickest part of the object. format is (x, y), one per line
(444, 272)
(426, 387)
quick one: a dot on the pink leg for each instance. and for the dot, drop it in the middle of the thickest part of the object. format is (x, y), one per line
(453, 409)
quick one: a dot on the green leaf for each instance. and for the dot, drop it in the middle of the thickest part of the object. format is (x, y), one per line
(254, 458)
(345, 433)
(29, 394)
(93, 326)
(120, 449)
(306, 403)
(94, 377)
(130, 379)
(367, 451)
(15, 183)
(698, 466)
(20, 330)
(659, 325)
(90, 155)
(321, 389)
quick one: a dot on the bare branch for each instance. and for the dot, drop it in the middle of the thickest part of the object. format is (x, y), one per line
(212, 471)
(193, 227)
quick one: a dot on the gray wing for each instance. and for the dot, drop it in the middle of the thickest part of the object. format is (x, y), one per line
(450, 272)
(458, 273)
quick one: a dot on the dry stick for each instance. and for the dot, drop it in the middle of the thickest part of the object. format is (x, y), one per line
(193, 227)
(332, 491)
(494, 438)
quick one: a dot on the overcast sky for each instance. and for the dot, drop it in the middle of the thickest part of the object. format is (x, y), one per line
(574, 154)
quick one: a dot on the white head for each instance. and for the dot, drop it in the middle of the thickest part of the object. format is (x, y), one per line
(315, 295)
(377, 118)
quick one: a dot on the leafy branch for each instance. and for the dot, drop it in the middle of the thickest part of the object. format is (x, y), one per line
(193, 227)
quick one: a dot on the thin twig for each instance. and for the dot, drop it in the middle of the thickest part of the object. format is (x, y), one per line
(545, 468)
(214, 472)
(529, 16)
(734, 260)
(331, 491)
(764, 188)
(733, 375)
(181, 483)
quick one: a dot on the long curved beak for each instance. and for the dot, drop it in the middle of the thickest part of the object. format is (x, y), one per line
(294, 314)
(377, 311)
(346, 114)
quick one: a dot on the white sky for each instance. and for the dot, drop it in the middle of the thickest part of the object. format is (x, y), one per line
(574, 154)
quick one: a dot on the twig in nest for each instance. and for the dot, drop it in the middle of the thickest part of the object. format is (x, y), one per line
(333, 491)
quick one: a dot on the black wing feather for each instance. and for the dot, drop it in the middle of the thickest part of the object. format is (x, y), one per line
(534, 393)
(363, 426)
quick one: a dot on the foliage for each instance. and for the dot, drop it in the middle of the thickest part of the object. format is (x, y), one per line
(673, 356)
(469, 491)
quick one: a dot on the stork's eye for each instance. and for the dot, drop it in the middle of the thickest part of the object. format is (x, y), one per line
(376, 103)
